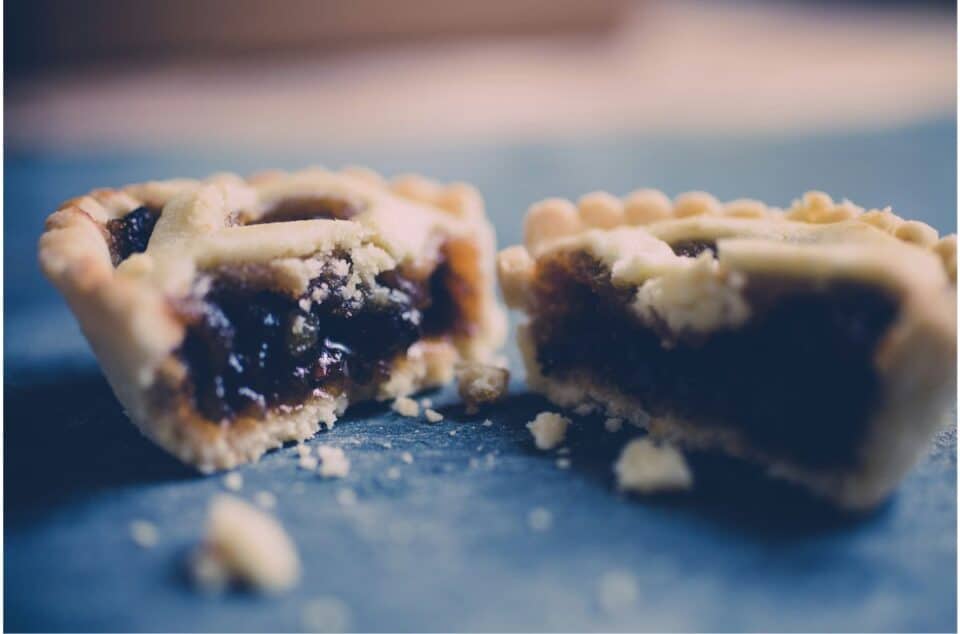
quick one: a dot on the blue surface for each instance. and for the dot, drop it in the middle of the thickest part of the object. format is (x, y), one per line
(446, 546)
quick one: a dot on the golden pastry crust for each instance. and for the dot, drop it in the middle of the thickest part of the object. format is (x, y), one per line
(126, 311)
(638, 242)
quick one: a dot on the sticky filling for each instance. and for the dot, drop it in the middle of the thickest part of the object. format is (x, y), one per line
(796, 380)
(249, 349)
(131, 233)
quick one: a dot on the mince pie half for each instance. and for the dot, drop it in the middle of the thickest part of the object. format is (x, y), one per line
(232, 315)
(819, 341)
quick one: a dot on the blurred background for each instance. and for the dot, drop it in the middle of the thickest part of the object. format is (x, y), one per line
(303, 73)
(525, 99)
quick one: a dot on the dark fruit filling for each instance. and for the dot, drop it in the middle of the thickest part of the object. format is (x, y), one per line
(250, 349)
(693, 248)
(131, 233)
(797, 379)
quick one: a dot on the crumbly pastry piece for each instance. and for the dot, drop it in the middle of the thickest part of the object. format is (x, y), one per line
(245, 545)
(548, 430)
(232, 315)
(646, 467)
(481, 384)
(333, 462)
(819, 340)
(406, 406)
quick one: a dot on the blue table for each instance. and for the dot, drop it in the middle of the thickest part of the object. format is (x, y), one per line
(447, 545)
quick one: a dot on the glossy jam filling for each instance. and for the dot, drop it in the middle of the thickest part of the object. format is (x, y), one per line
(248, 350)
(131, 233)
(797, 380)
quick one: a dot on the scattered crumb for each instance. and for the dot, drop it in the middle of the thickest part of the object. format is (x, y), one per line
(563, 463)
(548, 429)
(393, 473)
(333, 462)
(325, 614)
(584, 408)
(426, 403)
(386, 444)
(488, 423)
(244, 544)
(540, 519)
(479, 384)
(233, 481)
(648, 468)
(346, 497)
(143, 533)
(265, 499)
(407, 457)
(308, 462)
(406, 407)
(433, 415)
(303, 450)
(617, 590)
(563, 451)
(453, 432)
(613, 425)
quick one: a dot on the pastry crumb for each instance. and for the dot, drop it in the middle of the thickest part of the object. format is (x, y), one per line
(245, 545)
(480, 384)
(308, 462)
(563, 463)
(407, 457)
(548, 429)
(325, 614)
(645, 467)
(426, 403)
(346, 497)
(144, 534)
(488, 423)
(265, 499)
(617, 591)
(452, 432)
(613, 425)
(233, 481)
(540, 519)
(333, 462)
(433, 415)
(406, 407)
(303, 450)
(584, 409)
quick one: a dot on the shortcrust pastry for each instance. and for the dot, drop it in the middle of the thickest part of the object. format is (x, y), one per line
(819, 341)
(231, 315)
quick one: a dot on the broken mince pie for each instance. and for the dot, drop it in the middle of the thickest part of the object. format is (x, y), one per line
(819, 341)
(232, 315)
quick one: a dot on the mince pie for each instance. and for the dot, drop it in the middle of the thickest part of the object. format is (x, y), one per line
(819, 341)
(232, 315)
